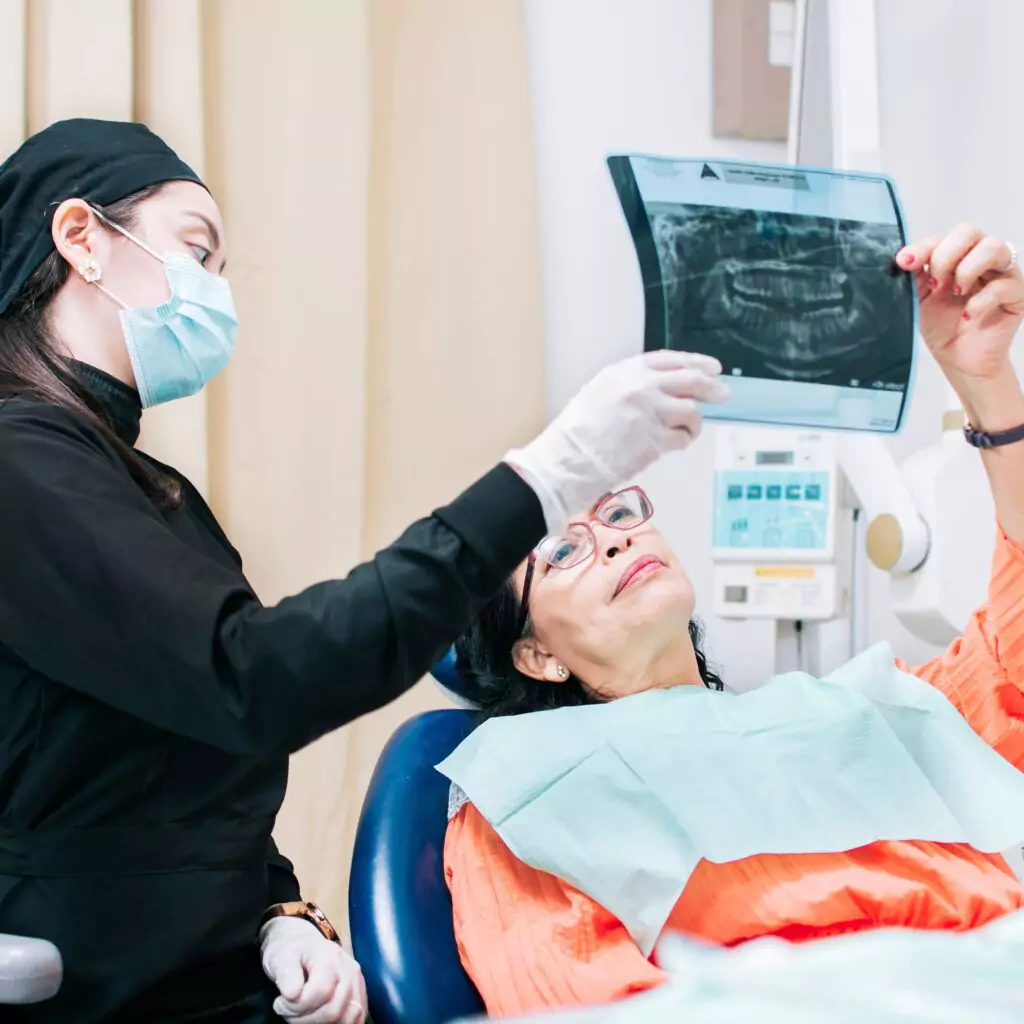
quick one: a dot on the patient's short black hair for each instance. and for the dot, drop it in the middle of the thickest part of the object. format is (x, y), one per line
(484, 658)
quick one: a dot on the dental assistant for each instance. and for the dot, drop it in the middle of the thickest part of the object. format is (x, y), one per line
(148, 700)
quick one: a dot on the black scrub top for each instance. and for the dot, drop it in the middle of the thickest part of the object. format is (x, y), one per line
(149, 702)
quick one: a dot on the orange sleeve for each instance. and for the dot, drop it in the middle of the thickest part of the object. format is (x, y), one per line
(982, 672)
(529, 941)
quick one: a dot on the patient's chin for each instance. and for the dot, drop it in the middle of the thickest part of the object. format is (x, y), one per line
(660, 605)
(663, 591)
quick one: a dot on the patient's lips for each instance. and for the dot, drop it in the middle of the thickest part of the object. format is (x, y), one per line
(638, 571)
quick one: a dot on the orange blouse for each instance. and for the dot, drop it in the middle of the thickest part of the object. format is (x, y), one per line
(529, 941)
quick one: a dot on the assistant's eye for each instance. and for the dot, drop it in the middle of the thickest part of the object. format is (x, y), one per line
(201, 254)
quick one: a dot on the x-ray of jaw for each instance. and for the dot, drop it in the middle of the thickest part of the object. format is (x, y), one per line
(787, 276)
(780, 295)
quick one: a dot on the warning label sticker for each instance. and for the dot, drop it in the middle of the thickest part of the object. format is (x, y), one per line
(765, 176)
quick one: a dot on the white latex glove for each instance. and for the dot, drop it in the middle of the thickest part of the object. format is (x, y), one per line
(319, 982)
(625, 418)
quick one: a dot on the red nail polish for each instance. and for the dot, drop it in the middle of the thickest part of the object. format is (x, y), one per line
(932, 282)
(908, 260)
(957, 290)
(965, 315)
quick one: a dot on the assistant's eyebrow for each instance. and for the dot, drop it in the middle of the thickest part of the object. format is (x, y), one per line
(215, 240)
(209, 225)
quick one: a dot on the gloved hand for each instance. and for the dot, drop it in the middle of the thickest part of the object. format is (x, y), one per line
(631, 413)
(319, 982)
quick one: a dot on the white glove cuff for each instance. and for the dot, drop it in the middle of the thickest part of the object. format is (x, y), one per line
(280, 928)
(566, 479)
(532, 470)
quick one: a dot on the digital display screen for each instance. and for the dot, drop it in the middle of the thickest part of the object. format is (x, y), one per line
(774, 458)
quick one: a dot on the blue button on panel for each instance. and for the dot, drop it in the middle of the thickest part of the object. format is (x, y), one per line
(735, 492)
(773, 492)
(754, 492)
(794, 492)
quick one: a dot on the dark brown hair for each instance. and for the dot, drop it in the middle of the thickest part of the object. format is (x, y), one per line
(484, 658)
(33, 365)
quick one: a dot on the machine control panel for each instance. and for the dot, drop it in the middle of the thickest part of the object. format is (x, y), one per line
(773, 535)
(774, 495)
(772, 511)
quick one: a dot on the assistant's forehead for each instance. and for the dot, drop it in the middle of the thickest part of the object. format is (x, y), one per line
(185, 199)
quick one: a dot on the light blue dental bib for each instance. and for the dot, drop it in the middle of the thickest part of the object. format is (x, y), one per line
(622, 800)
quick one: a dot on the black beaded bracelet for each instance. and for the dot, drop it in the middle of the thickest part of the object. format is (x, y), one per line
(983, 439)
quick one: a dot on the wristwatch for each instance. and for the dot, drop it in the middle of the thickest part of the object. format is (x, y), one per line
(310, 911)
(985, 439)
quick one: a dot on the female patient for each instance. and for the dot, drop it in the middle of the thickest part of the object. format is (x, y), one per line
(606, 612)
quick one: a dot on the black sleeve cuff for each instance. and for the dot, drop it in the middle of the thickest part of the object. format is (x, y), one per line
(282, 885)
(499, 517)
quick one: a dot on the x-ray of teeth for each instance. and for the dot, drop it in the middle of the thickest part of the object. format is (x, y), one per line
(783, 295)
(787, 276)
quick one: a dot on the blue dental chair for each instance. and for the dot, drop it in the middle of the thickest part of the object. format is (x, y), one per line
(400, 911)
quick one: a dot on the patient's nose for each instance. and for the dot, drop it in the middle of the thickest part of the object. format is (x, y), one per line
(611, 543)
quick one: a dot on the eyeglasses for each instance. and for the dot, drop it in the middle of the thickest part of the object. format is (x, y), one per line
(625, 510)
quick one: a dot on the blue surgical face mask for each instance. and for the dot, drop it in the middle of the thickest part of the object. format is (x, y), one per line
(176, 348)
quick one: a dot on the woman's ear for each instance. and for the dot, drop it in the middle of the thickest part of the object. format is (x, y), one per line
(77, 234)
(533, 659)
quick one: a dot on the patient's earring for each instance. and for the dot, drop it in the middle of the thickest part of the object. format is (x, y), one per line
(562, 672)
(89, 270)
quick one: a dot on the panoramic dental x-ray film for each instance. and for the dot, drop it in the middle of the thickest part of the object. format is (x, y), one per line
(787, 276)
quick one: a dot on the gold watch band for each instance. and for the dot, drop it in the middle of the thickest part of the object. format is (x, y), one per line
(304, 909)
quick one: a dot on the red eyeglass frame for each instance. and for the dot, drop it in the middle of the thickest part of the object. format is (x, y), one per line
(531, 562)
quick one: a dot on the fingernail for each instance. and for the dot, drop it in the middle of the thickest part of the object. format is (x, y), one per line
(933, 283)
(907, 260)
(965, 315)
(957, 290)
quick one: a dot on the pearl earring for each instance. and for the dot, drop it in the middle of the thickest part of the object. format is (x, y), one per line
(90, 271)
(563, 672)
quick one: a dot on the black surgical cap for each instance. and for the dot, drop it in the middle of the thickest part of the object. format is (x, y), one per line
(99, 161)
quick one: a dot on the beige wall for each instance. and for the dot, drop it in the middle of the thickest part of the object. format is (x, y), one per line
(373, 161)
(456, 350)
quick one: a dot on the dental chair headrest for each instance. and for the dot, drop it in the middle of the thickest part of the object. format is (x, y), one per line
(451, 683)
